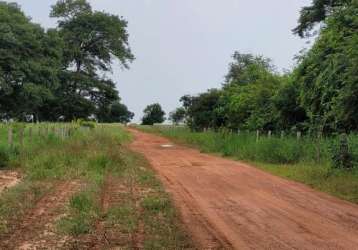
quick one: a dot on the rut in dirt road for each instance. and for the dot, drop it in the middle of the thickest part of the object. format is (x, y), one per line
(105, 235)
(230, 205)
(37, 229)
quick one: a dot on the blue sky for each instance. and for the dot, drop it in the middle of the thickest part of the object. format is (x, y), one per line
(185, 46)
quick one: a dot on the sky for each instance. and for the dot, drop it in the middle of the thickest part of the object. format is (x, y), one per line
(185, 46)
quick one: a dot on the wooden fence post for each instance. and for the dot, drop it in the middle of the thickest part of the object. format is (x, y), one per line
(10, 137)
(21, 137)
(30, 134)
(298, 135)
(257, 135)
(282, 134)
(269, 134)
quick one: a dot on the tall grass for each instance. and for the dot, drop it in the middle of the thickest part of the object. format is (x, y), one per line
(270, 149)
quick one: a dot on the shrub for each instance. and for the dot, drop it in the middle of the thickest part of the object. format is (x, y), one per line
(86, 124)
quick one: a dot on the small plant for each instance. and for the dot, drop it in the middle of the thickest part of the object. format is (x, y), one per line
(341, 156)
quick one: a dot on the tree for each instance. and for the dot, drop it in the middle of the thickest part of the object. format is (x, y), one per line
(153, 114)
(317, 13)
(117, 112)
(247, 68)
(59, 74)
(246, 101)
(177, 115)
(29, 64)
(287, 105)
(328, 75)
(93, 40)
(202, 111)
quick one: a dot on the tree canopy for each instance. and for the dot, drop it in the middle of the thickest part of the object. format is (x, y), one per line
(29, 64)
(59, 74)
(316, 13)
(178, 115)
(153, 114)
(327, 75)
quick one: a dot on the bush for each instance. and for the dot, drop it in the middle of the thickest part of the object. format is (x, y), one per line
(86, 124)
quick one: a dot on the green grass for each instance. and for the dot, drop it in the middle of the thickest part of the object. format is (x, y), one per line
(89, 157)
(286, 157)
(83, 213)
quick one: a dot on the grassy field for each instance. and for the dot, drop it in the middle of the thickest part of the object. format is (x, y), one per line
(117, 195)
(302, 160)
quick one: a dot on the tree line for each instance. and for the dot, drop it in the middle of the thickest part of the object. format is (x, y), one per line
(319, 94)
(59, 74)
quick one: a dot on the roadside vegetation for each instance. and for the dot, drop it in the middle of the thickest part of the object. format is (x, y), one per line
(116, 200)
(304, 159)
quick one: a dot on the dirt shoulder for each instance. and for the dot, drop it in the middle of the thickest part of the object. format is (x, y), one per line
(230, 205)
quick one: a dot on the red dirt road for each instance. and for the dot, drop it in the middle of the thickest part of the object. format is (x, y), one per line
(229, 205)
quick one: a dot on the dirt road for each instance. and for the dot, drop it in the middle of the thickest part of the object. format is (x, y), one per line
(230, 205)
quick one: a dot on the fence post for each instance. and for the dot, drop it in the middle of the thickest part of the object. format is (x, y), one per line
(30, 134)
(21, 136)
(298, 135)
(319, 137)
(10, 137)
(282, 134)
(62, 132)
(257, 135)
(269, 134)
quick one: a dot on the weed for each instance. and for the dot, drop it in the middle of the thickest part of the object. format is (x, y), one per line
(155, 204)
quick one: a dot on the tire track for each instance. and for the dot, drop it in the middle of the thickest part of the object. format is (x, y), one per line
(36, 230)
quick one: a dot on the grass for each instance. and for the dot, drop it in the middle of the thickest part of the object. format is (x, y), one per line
(287, 157)
(141, 214)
